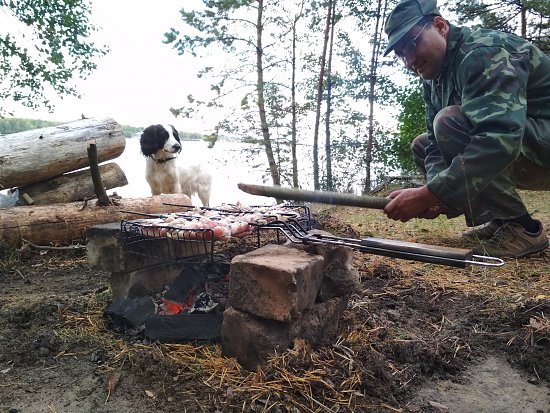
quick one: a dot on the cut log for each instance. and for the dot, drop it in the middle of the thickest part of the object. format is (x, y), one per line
(63, 224)
(40, 154)
(72, 187)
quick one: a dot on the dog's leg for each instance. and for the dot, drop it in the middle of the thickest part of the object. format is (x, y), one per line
(205, 199)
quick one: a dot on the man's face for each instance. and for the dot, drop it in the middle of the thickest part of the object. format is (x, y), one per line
(423, 49)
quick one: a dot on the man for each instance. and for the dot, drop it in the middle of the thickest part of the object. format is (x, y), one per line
(487, 96)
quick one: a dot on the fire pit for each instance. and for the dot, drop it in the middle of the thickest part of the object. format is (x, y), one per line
(188, 309)
(190, 304)
(175, 277)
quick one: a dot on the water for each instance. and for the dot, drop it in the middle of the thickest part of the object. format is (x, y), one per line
(226, 162)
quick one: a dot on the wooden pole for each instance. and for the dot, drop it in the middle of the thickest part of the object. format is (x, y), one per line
(321, 197)
(99, 189)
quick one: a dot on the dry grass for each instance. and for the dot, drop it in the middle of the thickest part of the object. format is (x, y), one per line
(518, 281)
(280, 383)
(329, 379)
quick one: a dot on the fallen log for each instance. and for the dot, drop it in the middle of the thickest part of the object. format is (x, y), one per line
(71, 187)
(63, 224)
(40, 154)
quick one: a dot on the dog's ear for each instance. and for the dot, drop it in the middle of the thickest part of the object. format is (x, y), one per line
(149, 141)
(176, 135)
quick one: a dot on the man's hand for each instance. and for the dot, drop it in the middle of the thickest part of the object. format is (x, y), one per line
(411, 203)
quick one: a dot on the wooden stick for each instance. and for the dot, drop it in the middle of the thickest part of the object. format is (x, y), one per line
(322, 197)
(102, 198)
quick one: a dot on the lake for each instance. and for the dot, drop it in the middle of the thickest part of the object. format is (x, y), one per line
(226, 162)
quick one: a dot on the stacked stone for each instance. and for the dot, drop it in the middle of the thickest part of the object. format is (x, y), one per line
(280, 293)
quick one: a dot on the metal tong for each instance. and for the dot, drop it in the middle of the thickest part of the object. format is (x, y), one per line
(453, 257)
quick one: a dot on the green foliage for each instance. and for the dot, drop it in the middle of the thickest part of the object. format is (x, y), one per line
(44, 48)
(411, 123)
(527, 18)
(190, 136)
(14, 125)
(129, 131)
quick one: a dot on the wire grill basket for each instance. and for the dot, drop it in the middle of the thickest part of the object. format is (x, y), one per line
(192, 235)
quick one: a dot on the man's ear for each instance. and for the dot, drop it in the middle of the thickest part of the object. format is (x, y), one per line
(441, 25)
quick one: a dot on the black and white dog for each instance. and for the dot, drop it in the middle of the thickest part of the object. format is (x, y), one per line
(161, 145)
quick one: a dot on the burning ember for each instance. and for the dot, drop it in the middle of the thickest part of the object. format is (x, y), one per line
(199, 290)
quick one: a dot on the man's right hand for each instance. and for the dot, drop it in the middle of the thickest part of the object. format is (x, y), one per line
(411, 203)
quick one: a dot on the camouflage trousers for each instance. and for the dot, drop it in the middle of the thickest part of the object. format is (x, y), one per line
(500, 198)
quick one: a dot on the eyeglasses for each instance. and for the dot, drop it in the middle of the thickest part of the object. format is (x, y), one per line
(410, 47)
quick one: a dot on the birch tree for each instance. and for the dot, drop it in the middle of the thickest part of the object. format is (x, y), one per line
(46, 47)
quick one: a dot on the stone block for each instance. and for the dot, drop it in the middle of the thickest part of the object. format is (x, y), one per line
(275, 282)
(251, 339)
(106, 250)
(318, 325)
(143, 281)
(340, 277)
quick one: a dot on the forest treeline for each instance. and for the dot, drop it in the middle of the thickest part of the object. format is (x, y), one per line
(314, 89)
(305, 82)
(14, 125)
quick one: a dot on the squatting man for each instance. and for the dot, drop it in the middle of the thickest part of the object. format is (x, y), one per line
(487, 96)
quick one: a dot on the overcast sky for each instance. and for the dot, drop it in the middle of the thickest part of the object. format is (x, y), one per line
(141, 78)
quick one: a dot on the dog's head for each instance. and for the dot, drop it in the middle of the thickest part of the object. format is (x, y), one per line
(163, 138)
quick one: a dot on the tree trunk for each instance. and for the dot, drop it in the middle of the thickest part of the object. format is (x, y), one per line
(320, 87)
(74, 186)
(65, 223)
(373, 75)
(40, 154)
(328, 147)
(294, 106)
(273, 169)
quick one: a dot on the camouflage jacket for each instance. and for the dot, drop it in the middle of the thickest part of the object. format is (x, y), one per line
(499, 79)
